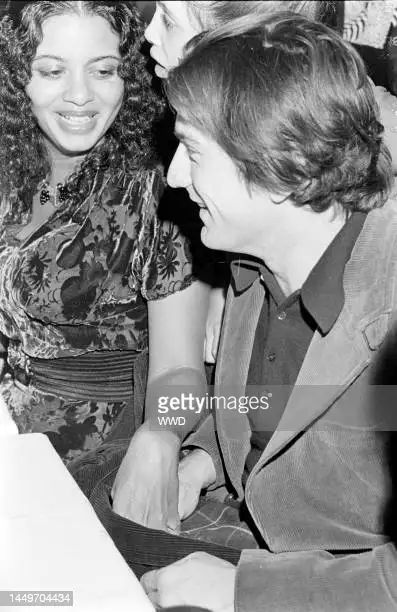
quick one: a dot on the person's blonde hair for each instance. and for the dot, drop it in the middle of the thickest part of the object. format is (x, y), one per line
(214, 14)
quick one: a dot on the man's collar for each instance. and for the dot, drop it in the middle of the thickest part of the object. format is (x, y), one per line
(245, 270)
(322, 293)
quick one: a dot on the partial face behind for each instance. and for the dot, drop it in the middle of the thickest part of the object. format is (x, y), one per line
(235, 218)
(170, 29)
(75, 90)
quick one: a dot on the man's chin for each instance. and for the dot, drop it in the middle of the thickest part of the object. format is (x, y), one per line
(161, 72)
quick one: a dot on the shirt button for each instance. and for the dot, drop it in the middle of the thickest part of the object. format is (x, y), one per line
(271, 356)
(232, 501)
(282, 315)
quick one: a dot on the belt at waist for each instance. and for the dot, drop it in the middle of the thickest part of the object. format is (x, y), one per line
(97, 376)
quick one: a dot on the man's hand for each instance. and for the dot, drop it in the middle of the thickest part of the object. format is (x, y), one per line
(146, 486)
(197, 580)
(195, 472)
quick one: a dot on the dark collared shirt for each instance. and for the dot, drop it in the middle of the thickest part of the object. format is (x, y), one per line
(286, 326)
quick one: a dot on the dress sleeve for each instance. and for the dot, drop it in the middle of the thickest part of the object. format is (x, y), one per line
(167, 265)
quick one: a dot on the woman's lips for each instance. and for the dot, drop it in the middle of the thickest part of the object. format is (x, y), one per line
(161, 72)
(77, 122)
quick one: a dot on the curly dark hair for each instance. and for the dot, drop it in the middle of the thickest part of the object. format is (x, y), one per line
(130, 141)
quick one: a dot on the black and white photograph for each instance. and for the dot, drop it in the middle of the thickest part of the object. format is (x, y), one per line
(198, 305)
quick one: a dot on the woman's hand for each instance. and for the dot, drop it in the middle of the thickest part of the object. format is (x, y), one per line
(195, 472)
(214, 324)
(146, 486)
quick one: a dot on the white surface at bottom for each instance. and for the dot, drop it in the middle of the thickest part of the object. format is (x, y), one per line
(51, 538)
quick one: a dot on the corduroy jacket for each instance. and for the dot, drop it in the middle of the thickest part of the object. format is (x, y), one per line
(320, 491)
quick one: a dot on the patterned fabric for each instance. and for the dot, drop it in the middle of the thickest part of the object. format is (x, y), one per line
(216, 522)
(79, 284)
(368, 23)
(217, 526)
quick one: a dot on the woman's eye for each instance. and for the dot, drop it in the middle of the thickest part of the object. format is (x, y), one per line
(104, 73)
(166, 21)
(193, 155)
(51, 74)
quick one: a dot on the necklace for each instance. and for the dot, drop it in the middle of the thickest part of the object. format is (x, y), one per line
(55, 195)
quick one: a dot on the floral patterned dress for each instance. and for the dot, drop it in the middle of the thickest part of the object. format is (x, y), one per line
(78, 285)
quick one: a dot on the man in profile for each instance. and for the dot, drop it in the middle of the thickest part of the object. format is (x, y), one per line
(281, 148)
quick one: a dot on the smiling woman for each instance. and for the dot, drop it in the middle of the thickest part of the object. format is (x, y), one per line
(75, 89)
(86, 265)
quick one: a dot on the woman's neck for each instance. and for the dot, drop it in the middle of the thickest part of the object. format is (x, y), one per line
(62, 166)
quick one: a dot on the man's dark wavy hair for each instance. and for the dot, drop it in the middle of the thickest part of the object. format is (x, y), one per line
(130, 141)
(290, 102)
